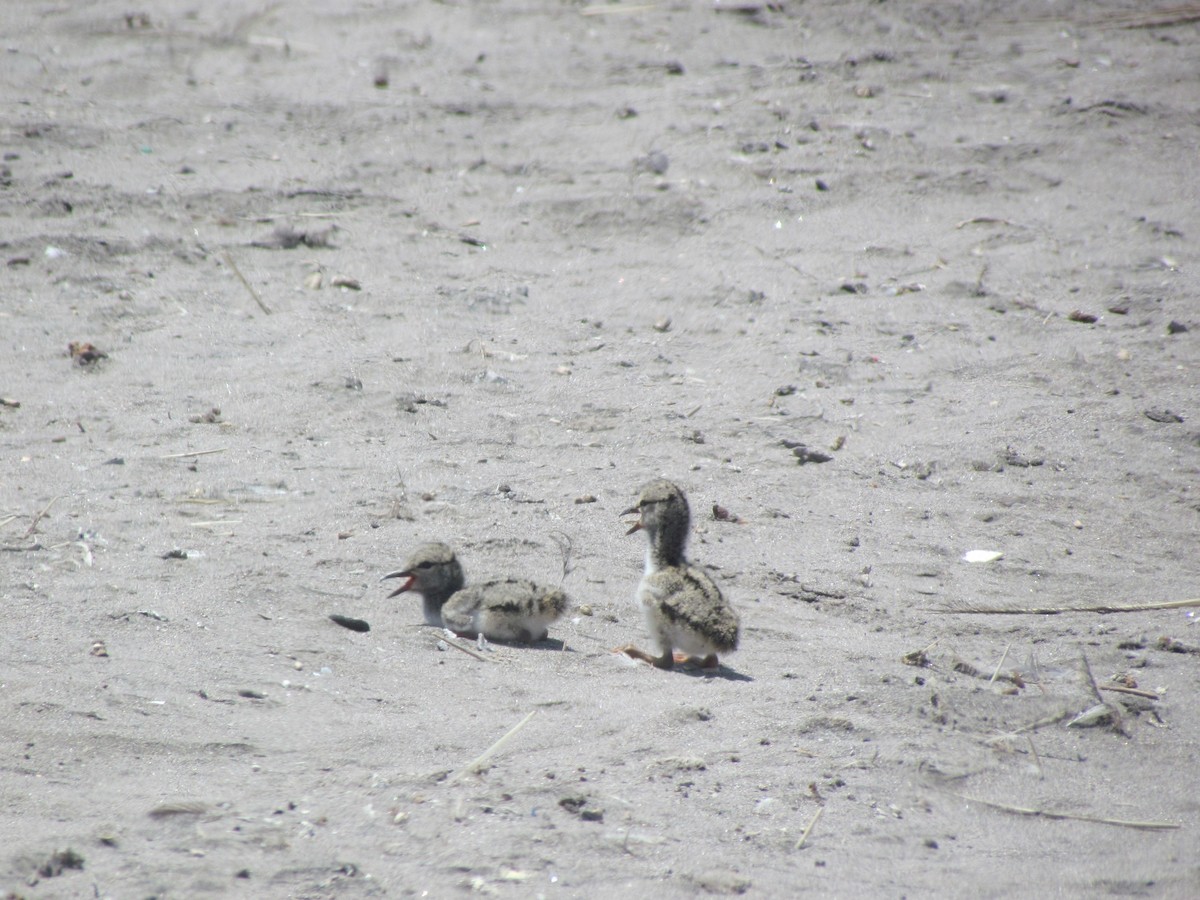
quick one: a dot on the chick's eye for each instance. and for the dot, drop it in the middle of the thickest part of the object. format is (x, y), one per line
(425, 565)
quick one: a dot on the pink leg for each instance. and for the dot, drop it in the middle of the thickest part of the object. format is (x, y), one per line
(666, 661)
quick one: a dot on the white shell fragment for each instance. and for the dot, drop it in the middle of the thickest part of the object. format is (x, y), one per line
(982, 556)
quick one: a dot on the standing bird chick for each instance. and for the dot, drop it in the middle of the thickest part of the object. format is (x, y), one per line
(505, 609)
(684, 608)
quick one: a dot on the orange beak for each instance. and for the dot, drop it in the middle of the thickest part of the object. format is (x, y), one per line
(409, 577)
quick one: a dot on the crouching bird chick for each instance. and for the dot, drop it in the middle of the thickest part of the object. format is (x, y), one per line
(684, 609)
(504, 609)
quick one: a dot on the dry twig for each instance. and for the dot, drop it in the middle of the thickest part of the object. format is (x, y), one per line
(1152, 18)
(565, 549)
(242, 278)
(1050, 814)
(1121, 689)
(193, 453)
(1057, 610)
(1003, 657)
(601, 10)
(1037, 759)
(809, 827)
(466, 650)
(37, 518)
(476, 764)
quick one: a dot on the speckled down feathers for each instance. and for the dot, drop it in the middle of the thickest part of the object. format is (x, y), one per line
(503, 609)
(683, 607)
(685, 610)
(510, 609)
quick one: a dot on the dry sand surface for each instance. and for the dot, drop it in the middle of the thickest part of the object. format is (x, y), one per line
(877, 283)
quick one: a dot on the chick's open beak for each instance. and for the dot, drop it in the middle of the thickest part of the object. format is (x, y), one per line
(409, 577)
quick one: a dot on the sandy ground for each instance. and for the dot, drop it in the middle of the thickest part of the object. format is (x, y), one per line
(373, 273)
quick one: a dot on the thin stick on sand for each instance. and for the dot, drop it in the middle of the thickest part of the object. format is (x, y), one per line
(1037, 759)
(1114, 712)
(37, 518)
(1057, 610)
(194, 453)
(466, 650)
(1048, 814)
(1154, 18)
(1003, 657)
(1031, 727)
(242, 278)
(599, 10)
(476, 764)
(809, 827)
(565, 548)
(1121, 689)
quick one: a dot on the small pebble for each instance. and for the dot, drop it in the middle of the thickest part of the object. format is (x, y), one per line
(655, 162)
(380, 78)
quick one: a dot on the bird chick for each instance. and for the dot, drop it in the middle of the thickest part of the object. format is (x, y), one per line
(683, 607)
(503, 609)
